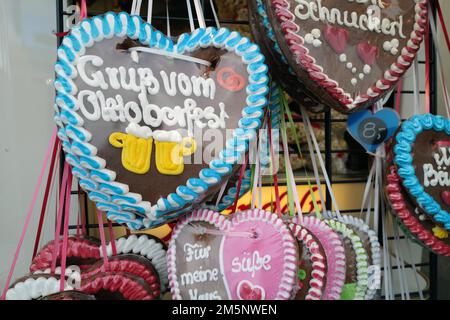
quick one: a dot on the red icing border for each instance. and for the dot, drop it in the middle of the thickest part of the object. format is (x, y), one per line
(396, 71)
(394, 193)
(318, 262)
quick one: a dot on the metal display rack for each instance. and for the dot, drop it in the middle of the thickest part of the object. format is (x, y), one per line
(327, 121)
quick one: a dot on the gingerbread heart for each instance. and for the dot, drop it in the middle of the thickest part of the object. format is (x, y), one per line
(422, 157)
(415, 223)
(133, 106)
(251, 256)
(334, 251)
(348, 73)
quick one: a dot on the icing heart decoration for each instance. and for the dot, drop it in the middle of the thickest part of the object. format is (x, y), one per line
(422, 158)
(445, 195)
(250, 256)
(247, 291)
(336, 37)
(132, 108)
(368, 46)
(367, 53)
(372, 130)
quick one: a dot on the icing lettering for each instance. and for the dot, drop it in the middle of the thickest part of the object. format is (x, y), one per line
(441, 176)
(251, 264)
(315, 11)
(95, 106)
(200, 276)
(196, 252)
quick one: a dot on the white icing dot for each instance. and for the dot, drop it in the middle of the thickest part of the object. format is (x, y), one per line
(367, 69)
(354, 70)
(349, 65)
(317, 43)
(394, 51)
(309, 38)
(387, 46)
(343, 57)
(316, 33)
(395, 42)
(354, 81)
(361, 76)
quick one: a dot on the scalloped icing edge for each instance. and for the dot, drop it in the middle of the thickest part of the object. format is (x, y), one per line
(404, 139)
(396, 71)
(375, 247)
(398, 204)
(157, 256)
(334, 251)
(223, 223)
(32, 284)
(90, 169)
(361, 256)
(318, 262)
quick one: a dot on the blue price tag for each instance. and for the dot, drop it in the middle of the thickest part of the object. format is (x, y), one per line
(372, 130)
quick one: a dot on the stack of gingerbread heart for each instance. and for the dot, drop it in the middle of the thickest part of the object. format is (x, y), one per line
(258, 255)
(135, 269)
(341, 54)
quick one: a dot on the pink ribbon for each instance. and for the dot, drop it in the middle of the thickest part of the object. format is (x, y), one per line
(29, 214)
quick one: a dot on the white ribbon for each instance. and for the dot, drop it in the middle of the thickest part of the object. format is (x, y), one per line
(171, 54)
(199, 11)
(216, 18)
(416, 87)
(191, 17)
(322, 164)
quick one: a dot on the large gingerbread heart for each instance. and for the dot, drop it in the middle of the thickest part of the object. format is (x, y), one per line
(349, 53)
(422, 158)
(135, 109)
(251, 256)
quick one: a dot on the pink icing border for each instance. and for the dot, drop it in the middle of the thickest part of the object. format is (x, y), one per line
(318, 272)
(315, 71)
(289, 247)
(334, 251)
(223, 223)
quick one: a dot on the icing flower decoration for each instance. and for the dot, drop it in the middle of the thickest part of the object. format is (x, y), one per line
(440, 233)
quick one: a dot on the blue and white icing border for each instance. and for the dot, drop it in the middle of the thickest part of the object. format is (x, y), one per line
(114, 197)
(404, 160)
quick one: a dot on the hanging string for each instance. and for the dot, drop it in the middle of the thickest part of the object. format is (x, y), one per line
(150, 11)
(216, 18)
(321, 162)
(439, 61)
(272, 164)
(398, 96)
(83, 10)
(102, 239)
(171, 54)
(168, 19)
(29, 213)
(221, 193)
(239, 185)
(203, 230)
(136, 7)
(112, 238)
(289, 172)
(199, 11)
(59, 215)
(62, 279)
(442, 21)
(415, 70)
(416, 272)
(191, 18)
(48, 187)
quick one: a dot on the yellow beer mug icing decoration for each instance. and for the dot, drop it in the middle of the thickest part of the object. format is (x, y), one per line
(170, 150)
(136, 144)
